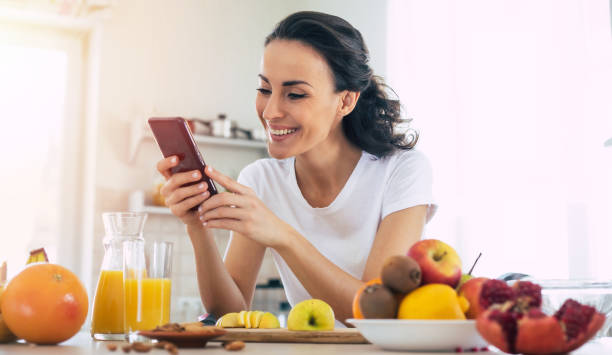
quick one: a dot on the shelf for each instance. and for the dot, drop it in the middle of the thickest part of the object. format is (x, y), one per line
(140, 133)
(138, 203)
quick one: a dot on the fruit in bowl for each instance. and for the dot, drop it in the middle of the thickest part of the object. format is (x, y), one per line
(515, 323)
(377, 301)
(438, 261)
(374, 300)
(471, 291)
(401, 273)
(419, 285)
(312, 314)
(433, 301)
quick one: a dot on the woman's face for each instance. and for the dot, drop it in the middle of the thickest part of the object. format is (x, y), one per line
(296, 102)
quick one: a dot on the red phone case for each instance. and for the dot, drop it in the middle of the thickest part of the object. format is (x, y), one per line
(174, 137)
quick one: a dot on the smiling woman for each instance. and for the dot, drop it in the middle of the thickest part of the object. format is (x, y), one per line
(342, 192)
(40, 75)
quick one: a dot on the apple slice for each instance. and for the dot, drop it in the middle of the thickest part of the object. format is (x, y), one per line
(241, 318)
(269, 321)
(229, 320)
(256, 318)
(247, 320)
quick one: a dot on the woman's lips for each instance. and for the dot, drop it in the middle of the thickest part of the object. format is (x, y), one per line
(280, 134)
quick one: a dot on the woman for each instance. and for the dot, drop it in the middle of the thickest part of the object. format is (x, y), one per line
(342, 193)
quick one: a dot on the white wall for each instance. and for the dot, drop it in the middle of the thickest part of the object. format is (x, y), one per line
(190, 58)
(512, 99)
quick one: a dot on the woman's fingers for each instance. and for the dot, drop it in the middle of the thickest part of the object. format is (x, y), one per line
(224, 213)
(179, 179)
(164, 166)
(227, 224)
(225, 181)
(184, 192)
(181, 208)
(223, 199)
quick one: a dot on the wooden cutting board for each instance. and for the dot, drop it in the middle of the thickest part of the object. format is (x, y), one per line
(338, 336)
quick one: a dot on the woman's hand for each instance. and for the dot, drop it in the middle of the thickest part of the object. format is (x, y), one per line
(241, 211)
(181, 199)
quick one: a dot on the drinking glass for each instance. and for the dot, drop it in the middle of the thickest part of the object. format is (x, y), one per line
(147, 285)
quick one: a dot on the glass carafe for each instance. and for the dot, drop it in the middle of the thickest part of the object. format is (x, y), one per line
(107, 321)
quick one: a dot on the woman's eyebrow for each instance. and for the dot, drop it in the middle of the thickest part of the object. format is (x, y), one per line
(286, 83)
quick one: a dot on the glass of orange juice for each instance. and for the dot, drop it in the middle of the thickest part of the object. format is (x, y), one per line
(147, 284)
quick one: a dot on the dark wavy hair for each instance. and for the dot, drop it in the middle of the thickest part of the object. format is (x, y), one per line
(371, 124)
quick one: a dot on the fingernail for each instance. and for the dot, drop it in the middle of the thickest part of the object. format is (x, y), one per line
(200, 209)
(201, 186)
(204, 224)
(201, 218)
(173, 159)
(210, 169)
(195, 175)
(204, 194)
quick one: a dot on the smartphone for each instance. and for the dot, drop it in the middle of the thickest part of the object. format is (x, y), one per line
(174, 137)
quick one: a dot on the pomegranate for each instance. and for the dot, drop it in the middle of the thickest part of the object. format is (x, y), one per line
(514, 322)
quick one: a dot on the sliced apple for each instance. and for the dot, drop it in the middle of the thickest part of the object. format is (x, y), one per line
(229, 320)
(247, 320)
(269, 321)
(241, 319)
(255, 318)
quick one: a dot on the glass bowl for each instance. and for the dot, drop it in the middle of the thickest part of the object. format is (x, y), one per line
(596, 293)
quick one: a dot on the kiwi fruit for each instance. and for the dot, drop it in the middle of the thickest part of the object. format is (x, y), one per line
(377, 301)
(401, 274)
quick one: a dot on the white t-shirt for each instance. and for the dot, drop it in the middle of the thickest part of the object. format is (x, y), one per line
(343, 231)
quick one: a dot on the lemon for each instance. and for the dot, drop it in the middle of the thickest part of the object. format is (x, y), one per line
(433, 301)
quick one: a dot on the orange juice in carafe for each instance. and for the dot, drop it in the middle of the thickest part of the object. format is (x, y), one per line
(146, 305)
(107, 322)
(108, 308)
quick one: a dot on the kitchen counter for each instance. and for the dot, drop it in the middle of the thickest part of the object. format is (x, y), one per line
(82, 344)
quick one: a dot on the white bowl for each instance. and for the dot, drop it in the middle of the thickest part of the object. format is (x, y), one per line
(420, 335)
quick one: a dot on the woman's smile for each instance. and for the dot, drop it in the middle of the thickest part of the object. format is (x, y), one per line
(280, 133)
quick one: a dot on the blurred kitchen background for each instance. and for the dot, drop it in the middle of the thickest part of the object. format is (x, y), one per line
(513, 101)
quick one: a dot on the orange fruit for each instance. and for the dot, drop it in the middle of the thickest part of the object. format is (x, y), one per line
(45, 304)
(356, 309)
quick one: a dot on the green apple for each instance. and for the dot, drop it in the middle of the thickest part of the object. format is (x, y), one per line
(464, 279)
(311, 314)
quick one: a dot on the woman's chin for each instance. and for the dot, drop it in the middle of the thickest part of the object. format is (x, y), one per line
(277, 153)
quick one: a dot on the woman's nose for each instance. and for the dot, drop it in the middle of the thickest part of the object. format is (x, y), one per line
(273, 108)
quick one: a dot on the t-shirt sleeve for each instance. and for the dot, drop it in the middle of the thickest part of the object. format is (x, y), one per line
(409, 184)
(247, 176)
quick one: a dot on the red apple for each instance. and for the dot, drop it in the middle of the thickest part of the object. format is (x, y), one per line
(471, 291)
(439, 262)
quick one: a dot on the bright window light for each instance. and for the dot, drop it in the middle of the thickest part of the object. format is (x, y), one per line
(32, 96)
